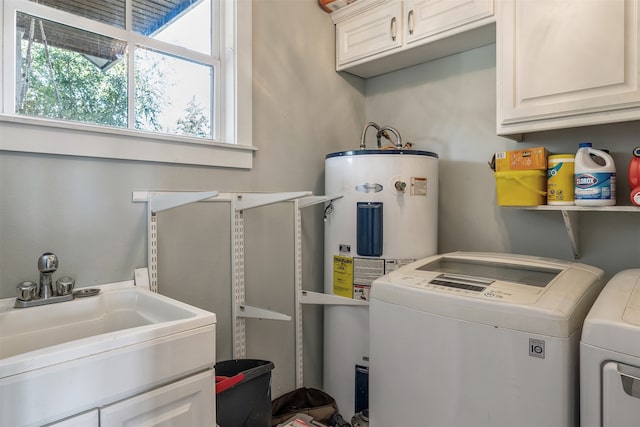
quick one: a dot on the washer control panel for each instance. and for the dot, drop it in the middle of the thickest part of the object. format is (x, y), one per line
(475, 287)
(458, 282)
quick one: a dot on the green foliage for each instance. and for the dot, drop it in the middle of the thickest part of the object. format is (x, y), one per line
(84, 92)
(195, 123)
(80, 91)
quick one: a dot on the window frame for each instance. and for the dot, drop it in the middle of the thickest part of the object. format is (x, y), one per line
(231, 146)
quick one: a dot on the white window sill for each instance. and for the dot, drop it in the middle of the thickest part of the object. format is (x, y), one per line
(35, 135)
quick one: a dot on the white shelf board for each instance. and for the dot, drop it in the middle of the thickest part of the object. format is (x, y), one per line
(578, 208)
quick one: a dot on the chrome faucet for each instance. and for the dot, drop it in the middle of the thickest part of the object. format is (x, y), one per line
(31, 294)
(47, 264)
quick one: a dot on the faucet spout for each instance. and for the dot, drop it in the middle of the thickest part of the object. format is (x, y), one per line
(47, 264)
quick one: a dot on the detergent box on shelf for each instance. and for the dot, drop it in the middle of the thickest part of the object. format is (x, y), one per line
(518, 160)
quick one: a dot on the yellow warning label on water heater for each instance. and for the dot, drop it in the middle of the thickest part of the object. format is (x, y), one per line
(343, 276)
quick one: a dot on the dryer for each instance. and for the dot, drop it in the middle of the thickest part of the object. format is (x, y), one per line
(478, 339)
(610, 355)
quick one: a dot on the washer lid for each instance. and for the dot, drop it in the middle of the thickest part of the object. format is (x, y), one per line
(614, 320)
(524, 293)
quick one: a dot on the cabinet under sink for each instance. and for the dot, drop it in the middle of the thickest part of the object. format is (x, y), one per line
(126, 355)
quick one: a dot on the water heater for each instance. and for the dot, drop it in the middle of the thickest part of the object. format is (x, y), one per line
(387, 217)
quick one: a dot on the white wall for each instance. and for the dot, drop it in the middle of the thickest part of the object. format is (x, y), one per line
(448, 106)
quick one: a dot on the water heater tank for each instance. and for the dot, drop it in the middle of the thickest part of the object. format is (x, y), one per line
(387, 217)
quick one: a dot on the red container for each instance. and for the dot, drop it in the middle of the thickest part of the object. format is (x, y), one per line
(634, 176)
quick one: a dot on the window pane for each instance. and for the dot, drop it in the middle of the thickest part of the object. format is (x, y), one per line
(184, 23)
(109, 11)
(76, 75)
(172, 95)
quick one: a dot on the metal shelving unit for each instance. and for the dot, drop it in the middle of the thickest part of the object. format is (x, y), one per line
(158, 201)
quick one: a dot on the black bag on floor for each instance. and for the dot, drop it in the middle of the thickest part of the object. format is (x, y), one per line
(309, 401)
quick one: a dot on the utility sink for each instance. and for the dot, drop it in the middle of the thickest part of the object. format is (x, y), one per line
(105, 346)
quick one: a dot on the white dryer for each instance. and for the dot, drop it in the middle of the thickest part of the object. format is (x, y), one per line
(610, 355)
(478, 339)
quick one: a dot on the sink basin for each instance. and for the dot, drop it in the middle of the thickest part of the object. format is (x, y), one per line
(112, 310)
(111, 339)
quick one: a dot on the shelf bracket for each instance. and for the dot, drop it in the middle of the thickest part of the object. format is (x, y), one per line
(254, 200)
(314, 200)
(308, 297)
(251, 312)
(158, 202)
(570, 219)
(161, 202)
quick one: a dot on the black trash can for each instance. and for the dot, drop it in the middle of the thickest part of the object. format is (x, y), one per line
(243, 393)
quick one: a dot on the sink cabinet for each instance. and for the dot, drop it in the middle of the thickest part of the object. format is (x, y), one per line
(87, 419)
(126, 356)
(566, 63)
(379, 36)
(187, 403)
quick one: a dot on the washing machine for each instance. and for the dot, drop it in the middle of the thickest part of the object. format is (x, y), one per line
(610, 355)
(478, 339)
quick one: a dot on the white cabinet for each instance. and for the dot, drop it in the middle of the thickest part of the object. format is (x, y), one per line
(375, 31)
(566, 63)
(378, 36)
(186, 403)
(426, 18)
(87, 419)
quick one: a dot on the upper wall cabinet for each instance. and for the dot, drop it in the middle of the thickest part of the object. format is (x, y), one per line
(376, 31)
(374, 37)
(566, 63)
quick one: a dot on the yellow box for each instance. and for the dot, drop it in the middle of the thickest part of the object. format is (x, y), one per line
(521, 188)
(527, 159)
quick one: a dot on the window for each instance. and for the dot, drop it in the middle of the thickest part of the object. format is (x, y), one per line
(158, 70)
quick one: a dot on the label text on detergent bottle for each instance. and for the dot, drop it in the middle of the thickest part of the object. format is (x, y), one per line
(585, 181)
(595, 186)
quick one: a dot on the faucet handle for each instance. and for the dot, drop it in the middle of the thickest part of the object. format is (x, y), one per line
(48, 262)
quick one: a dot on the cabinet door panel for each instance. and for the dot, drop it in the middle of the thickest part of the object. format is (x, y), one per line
(186, 403)
(571, 60)
(372, 32)
(88, 419)
(429, 17)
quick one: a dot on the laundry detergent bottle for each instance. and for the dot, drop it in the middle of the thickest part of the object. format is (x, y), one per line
(595, 181)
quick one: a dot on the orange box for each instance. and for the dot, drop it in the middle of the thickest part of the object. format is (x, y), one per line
(517, 160)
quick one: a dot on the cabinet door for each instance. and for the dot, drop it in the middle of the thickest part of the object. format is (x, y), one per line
(566, 63)
(374, 31)
(88, 419)
(186, 403)
(426, 18)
